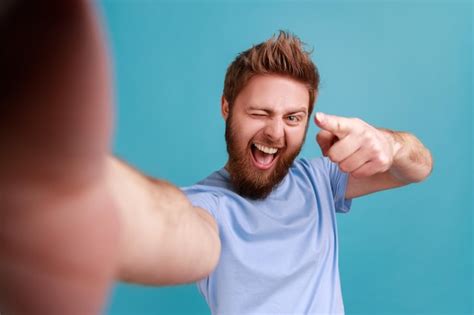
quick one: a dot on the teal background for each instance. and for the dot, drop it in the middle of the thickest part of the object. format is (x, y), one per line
(403, 65)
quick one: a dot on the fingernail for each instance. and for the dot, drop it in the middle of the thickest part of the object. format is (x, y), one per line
(320, 116)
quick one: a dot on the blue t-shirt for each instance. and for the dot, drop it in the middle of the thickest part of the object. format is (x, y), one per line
(279, 255)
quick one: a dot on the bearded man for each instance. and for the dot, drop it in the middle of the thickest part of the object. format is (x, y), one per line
(277, 214)
(74, 219)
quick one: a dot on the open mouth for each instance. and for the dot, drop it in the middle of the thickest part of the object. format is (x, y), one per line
(264, 157)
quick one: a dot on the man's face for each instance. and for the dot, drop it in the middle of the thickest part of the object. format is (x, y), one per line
(265, 131)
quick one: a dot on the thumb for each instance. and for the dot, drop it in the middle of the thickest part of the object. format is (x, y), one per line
(325, 140)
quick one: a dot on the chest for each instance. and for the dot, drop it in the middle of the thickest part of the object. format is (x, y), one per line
(276, 239)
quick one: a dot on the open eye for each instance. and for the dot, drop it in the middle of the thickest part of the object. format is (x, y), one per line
(293, 119)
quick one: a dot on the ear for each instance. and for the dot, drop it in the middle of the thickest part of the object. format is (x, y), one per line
(224, 108)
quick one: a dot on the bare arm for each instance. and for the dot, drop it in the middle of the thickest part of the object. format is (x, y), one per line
(164, 239)
(376, 159)
(412, 163)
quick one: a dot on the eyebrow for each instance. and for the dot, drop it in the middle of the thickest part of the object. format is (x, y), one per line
(269, 110)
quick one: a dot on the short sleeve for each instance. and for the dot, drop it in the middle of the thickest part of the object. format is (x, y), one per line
(338, 181)
(335, 182)
(202, 198)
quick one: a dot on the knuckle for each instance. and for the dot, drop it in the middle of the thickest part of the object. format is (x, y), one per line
(371, 149)
(383, 160)
(344, 167)
(375, 146)
(332, 156)
(378, 153)
(378, 161)
(366, 135)
(360, 124)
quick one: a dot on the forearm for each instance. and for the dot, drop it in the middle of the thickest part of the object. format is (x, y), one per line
(412, 161)
(164, 240)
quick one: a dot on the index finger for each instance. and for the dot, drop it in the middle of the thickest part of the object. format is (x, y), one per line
(340, 126)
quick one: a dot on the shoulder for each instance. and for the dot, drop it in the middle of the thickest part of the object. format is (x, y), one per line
(320, 172)
(207, 192)
(211, 185)
(326, 176)
(315, 166)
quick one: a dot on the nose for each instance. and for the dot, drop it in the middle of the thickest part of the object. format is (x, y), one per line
(275, 130)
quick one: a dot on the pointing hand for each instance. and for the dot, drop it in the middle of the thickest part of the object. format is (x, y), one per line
(357, 147)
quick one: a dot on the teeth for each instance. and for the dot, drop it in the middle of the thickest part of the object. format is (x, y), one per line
(265, 149)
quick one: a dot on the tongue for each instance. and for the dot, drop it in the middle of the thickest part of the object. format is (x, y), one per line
(262, 157)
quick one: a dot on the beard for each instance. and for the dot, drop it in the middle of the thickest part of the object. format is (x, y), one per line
(248, 181)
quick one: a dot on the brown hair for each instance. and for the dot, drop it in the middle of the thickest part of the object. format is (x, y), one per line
(283, 55)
